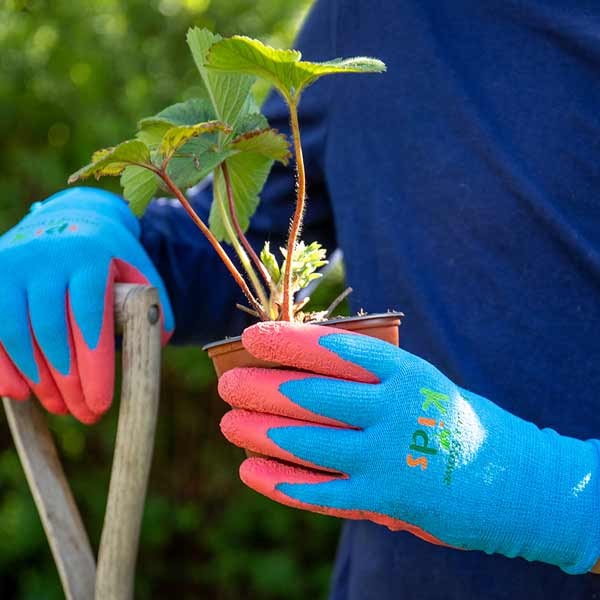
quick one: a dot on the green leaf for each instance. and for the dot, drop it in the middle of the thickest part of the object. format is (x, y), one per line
(198, 156)
(113, 161)
(194, 110)
(228, 92)
(175, 137)
(249, 122)
(139, 187)
(306, 261)
(98, 155)
(283, 68)
(152, 133)
(266, 142)
(270, 262)
(190, 112)
(196, 160)
(248, 172)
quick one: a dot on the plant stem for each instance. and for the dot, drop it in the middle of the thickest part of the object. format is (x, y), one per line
(262, 297)
(337, 301)
(236, 224)
(287, 308)
(213, 242)
(247, 310)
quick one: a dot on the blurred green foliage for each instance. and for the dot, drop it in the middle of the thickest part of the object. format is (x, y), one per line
(76, 76)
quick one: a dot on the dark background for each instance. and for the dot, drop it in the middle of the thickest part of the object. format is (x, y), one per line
(74, 77)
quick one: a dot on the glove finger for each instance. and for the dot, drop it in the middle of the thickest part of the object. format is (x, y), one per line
(139, 269)
(17, 338)
(91, 315)
(323, 400)
(91, 295)
(15, 335)
(318, 492)
(323, 350)
(314, 446)
(46, 391)
(12, 384)
(267, 476)
(47, 300)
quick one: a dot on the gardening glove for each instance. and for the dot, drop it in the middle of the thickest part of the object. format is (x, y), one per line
(58, 267)
(364, 430)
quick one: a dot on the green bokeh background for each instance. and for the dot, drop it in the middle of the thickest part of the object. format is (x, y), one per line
(74, 77)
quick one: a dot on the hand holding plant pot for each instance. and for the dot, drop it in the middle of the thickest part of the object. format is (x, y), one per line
(361, 429)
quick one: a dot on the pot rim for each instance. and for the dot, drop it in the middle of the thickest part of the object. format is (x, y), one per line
(391, 313)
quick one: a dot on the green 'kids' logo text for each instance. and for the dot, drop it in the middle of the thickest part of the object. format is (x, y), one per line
(432, 436)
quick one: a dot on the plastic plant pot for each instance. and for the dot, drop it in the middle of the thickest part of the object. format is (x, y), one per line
(229, 353)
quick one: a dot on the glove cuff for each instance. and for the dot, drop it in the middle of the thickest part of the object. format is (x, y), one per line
(541, 498)
(563, 512)
(591, 531)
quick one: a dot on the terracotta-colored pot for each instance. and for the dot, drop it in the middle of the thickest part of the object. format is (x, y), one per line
(229, 353)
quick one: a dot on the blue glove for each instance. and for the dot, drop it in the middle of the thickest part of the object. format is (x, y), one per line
(364, 430)
(58, 269)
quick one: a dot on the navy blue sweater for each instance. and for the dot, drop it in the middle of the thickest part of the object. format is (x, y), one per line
(464, 188)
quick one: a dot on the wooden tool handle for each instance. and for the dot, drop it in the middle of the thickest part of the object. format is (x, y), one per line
(134, 445)
(137, 315)
(57, 509)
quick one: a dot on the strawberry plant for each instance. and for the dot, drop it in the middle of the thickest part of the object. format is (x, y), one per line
(223, 133)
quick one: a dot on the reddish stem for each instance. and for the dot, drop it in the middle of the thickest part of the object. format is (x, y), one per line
(287, 308)
(213, 241)
(238, 229)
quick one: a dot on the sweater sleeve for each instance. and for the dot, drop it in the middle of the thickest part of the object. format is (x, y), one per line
(202, 292)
